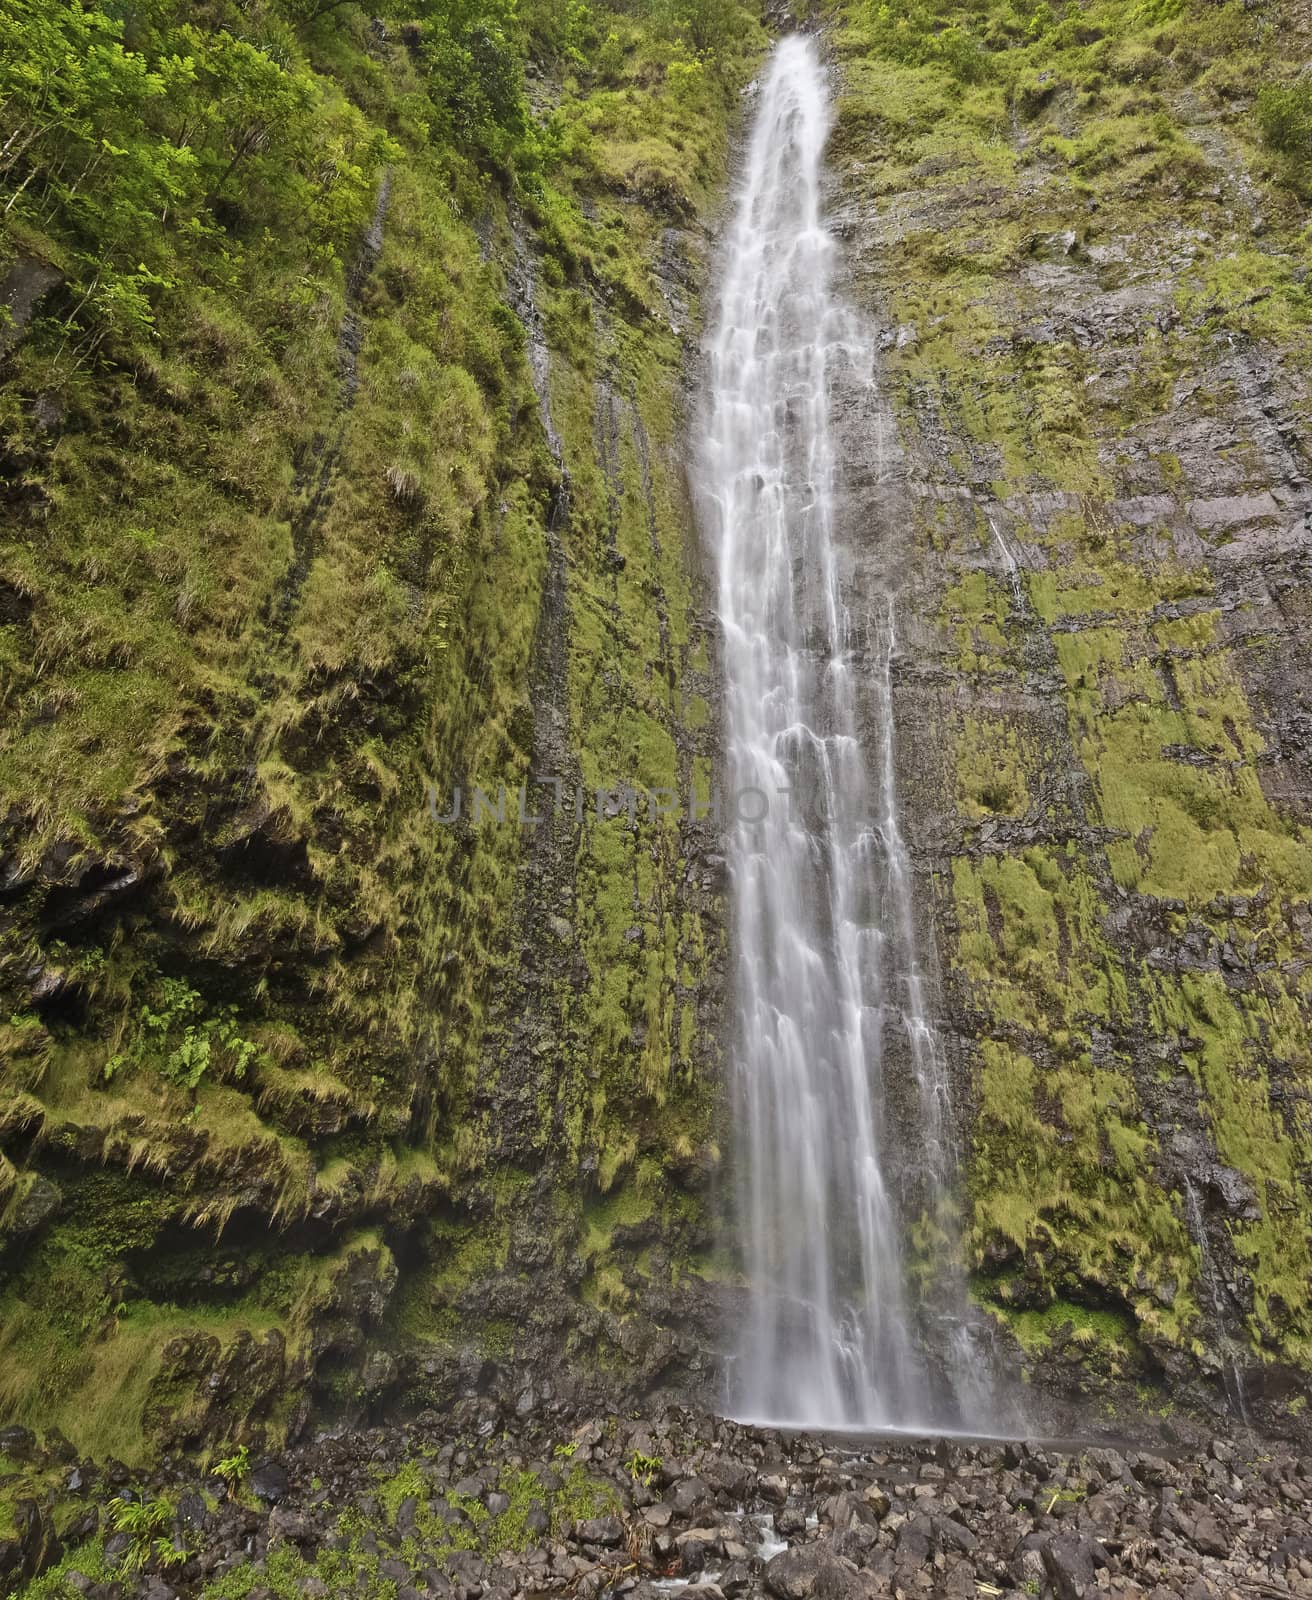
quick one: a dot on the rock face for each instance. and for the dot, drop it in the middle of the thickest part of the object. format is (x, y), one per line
(1082, 469)
(481, 1504)
(321, 1090)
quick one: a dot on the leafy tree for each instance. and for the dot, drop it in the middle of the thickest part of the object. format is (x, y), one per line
(474, 53)
(148, 144)
(708, 25)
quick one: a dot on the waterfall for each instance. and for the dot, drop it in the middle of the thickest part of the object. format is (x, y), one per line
(828, 985)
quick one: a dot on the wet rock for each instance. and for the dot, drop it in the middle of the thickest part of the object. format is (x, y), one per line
(1208, 1536)
(599, 1530)
(104, 886)
(1072, 1564)
(728, 1477)
(378, 1373)
(269, 1481)
(736, 1579)
(913, 1542)
(954, 1535)
(34, 1545)
(80, 1527)
(35, 1202)
(693, 1548)
(817, 1572)
(297, 1527)
(18, 1442)
(687, 1497)
(1234, 1193)
(24, 286)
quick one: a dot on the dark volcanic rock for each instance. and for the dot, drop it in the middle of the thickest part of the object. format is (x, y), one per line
(269, 1481)
(855, 1522)
(1072, 1564)
(817, 1572)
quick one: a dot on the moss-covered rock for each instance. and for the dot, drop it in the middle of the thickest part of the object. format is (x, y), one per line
(292, 1064)
(1089, 272)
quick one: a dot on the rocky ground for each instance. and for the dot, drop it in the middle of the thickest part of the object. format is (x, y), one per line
(477, 1504)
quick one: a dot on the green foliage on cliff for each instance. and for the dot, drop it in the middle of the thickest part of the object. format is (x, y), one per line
(1284, 114)
(285, 546)
(168, 149)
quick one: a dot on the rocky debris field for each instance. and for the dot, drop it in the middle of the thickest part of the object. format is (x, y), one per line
(476, 1505)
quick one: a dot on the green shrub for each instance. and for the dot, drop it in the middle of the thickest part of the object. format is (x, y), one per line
(1284, 114)
(183, 1042)
(911, 35)
(147, 1523)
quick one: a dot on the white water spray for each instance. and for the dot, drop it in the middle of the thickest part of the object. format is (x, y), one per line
(828, 984)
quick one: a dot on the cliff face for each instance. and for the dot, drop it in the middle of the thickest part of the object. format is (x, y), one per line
(368, 485)
(1087, 266)
(311, 1097)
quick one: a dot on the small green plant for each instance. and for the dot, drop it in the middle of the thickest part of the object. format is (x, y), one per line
(642, 1469)
(235, 1468)
(145, 1522)
(1284, 114)
(183, 1042)
(563, 1452)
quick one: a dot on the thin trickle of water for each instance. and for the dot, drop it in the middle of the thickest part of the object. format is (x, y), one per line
(828, 984)
(1008, 561)
(1231, 1370)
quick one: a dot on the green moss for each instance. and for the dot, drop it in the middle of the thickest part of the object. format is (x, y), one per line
(573, 1495)
(1030, 941)
(993, 767)
(1228, 1039)
(1190, 830)
(99, 1322)
(1110, 1334)
(280, 594)
(284, 1572)
(86, 1561)
(1062, 1176)
(1062, 153)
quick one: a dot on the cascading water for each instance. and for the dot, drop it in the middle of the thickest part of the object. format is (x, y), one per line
(827, 980)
